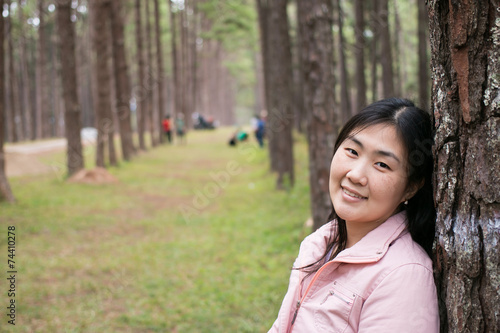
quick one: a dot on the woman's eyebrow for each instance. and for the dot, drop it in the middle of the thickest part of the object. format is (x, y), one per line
(388, 154)
(378, 152)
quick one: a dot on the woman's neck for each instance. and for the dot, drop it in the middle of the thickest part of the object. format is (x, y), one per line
(358, 230)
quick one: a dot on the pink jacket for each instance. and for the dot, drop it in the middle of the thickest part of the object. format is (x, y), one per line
(384, 283)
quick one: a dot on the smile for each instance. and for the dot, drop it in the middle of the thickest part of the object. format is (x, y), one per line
(351, 194)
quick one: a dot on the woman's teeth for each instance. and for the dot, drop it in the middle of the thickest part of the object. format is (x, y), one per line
(352, 194)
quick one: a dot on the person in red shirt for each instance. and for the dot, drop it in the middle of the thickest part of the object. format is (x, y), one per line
(167, 128)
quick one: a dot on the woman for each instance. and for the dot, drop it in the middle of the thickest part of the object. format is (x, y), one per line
(369, 269)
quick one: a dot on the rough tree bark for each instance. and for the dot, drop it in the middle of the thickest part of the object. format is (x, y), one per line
(72, 116)
(5, 191)
(122, 83)
(323, 123)
(465, 49)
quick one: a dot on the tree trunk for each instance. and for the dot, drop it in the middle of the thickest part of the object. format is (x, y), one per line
(192, 46)
(32, 83)
(96, 27)
(141, 92)
(280, 118)
(18, 115)
(204, 67)
(186, 26)
(298, 81)
(104, 117)
(25, 90)
(5, 191)
(84, 65)
(323, 123)
(183, 62)
(386, 50)
(41, 86)
(68, 70)
(161, 74)
(263, 9)
(345, 104)
(122, 83)
(175, 64)
(465, 49)
(58, 109)
(151, 75)
(13, 119)
(398, 89)
(359, 54)
(423, 61)
(375, 49)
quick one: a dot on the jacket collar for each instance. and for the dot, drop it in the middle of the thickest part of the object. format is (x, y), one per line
(373, 246)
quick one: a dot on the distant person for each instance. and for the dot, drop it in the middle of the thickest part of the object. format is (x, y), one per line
(370, 269)
(180, 128)
(238, 136)
(167, 128)
(260, 131)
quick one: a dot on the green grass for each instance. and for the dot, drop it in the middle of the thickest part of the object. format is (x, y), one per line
(167, 249)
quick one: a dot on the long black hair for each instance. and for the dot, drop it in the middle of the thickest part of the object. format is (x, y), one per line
(414, 127)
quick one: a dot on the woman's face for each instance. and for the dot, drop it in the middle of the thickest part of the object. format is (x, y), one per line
(368, 177)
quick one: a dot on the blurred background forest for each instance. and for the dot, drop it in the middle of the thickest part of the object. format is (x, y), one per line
(217, 66)
(97, 78)
(206, 54)
(121, 67)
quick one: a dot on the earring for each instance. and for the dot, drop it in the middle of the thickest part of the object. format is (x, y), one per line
(406, 203)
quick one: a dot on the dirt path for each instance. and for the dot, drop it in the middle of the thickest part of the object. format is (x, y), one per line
(33, 158)
(28, 158)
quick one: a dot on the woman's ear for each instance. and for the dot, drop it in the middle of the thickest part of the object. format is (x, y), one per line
(413, 189)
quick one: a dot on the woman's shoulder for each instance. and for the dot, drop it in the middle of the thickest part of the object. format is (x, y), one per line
(314, 245)
(405, 251)
(322, 233)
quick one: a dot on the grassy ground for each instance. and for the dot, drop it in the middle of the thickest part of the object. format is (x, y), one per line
(193, 238)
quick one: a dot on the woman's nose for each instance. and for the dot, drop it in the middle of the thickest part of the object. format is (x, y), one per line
(357, 174)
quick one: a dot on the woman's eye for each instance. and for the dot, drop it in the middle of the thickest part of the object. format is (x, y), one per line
(352, 151)
(383, 165)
